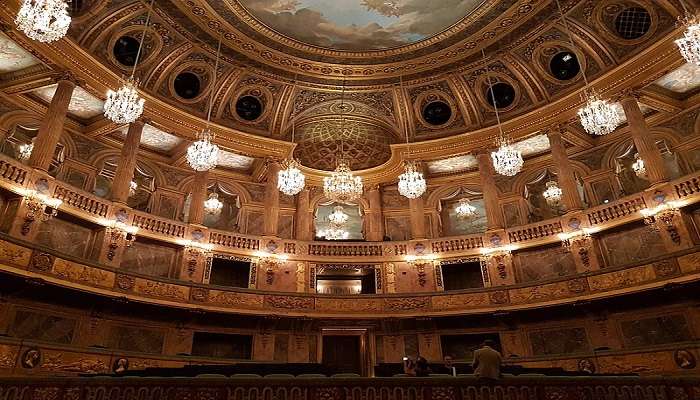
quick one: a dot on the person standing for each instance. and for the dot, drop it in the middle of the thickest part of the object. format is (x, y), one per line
(487, 361)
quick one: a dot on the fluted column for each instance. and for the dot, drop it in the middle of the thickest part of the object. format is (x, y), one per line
(643, 140)
(417, 218)
(52, 125)
(199, 196)
(494, 216)
(375, 218)
(565, 173)
(272, 199)
(304, 217)
(127, 162)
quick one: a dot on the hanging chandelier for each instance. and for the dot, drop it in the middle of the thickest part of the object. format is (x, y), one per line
(552, 194)
(25, 151)
(465, 210)
(338, 217)
(598, 117)
(507, 160)
(411, 183)
(638, 166)
(290, 180)
(342, 186)
(124, 106)
(202, 155)
(689, 44)
(213, 205)
(132, 188)
(335, 233)
(45, 21)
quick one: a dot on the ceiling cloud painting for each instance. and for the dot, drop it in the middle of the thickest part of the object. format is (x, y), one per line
(357, 25)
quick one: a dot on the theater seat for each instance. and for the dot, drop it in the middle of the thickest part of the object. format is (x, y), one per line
(345, 375)
(311, 376)
(246, 376)
(279, 376)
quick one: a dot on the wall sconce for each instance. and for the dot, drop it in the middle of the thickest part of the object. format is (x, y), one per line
(118, 232)
(500, 255)
(38, 204)
(662, 217)
(195, 250)
(580, 238)
(271, 261)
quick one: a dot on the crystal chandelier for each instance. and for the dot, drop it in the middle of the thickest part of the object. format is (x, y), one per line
(25, 151)
(132, 188)
(202, 155)
(598, 117)
(411, 183)
(43, 20)
(638, 166)
(342, 186)
(465, 210)
(689, 44)
(552, 194)
(507, 160)
(213, 205)
(338, 216)
(124, 106)
(290, 180)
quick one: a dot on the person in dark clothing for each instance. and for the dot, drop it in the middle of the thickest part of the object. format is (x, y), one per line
(422, 367)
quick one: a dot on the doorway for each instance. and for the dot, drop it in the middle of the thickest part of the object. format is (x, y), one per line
(345, 351)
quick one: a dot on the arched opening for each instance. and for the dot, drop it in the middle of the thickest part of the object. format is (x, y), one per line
(457, 217)
(351, 229)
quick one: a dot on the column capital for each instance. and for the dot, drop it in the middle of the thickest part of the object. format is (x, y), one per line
(67, 76)
(629, 94)
(556, 129)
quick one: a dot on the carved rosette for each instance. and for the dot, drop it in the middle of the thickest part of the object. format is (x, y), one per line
(42, 261)
(125, 282)
(499, 297)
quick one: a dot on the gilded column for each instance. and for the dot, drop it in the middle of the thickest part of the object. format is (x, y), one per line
(199, 196)
(375, 232)
(52, 125)
(127, 162)
(494, 216)
(303, 217)
(272, 199)
(565, 173)
(417, 218)
(643, 140)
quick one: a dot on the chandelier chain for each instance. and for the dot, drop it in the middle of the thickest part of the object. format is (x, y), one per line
(143, 38)
(213, 81)
(571, 40)
(493, 97)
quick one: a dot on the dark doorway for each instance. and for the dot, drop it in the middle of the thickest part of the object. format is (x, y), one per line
(460, 276)
(346, 279)
(342, 354)
(231, 273)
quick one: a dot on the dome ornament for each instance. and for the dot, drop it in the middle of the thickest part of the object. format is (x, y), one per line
(342, 186)
(45, 21)
(689, 44)
(125, 105)
(412, 184)
(203, 154)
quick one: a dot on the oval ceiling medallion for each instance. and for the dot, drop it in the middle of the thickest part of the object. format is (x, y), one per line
(359, 25)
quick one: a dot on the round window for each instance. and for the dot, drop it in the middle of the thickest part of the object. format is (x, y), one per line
(125, 50)
(633, 23)
(500, 94)
(187, 85)
(564, 66)
(249, 108)
(437, 113)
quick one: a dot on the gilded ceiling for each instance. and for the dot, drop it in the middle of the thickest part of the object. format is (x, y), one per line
(359, 24)
(293, 71)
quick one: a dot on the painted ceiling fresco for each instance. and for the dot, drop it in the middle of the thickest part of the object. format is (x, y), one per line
(360, 24)
(13, 57)
(681, 80)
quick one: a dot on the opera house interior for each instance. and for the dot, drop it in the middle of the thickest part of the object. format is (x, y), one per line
(349, 199)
